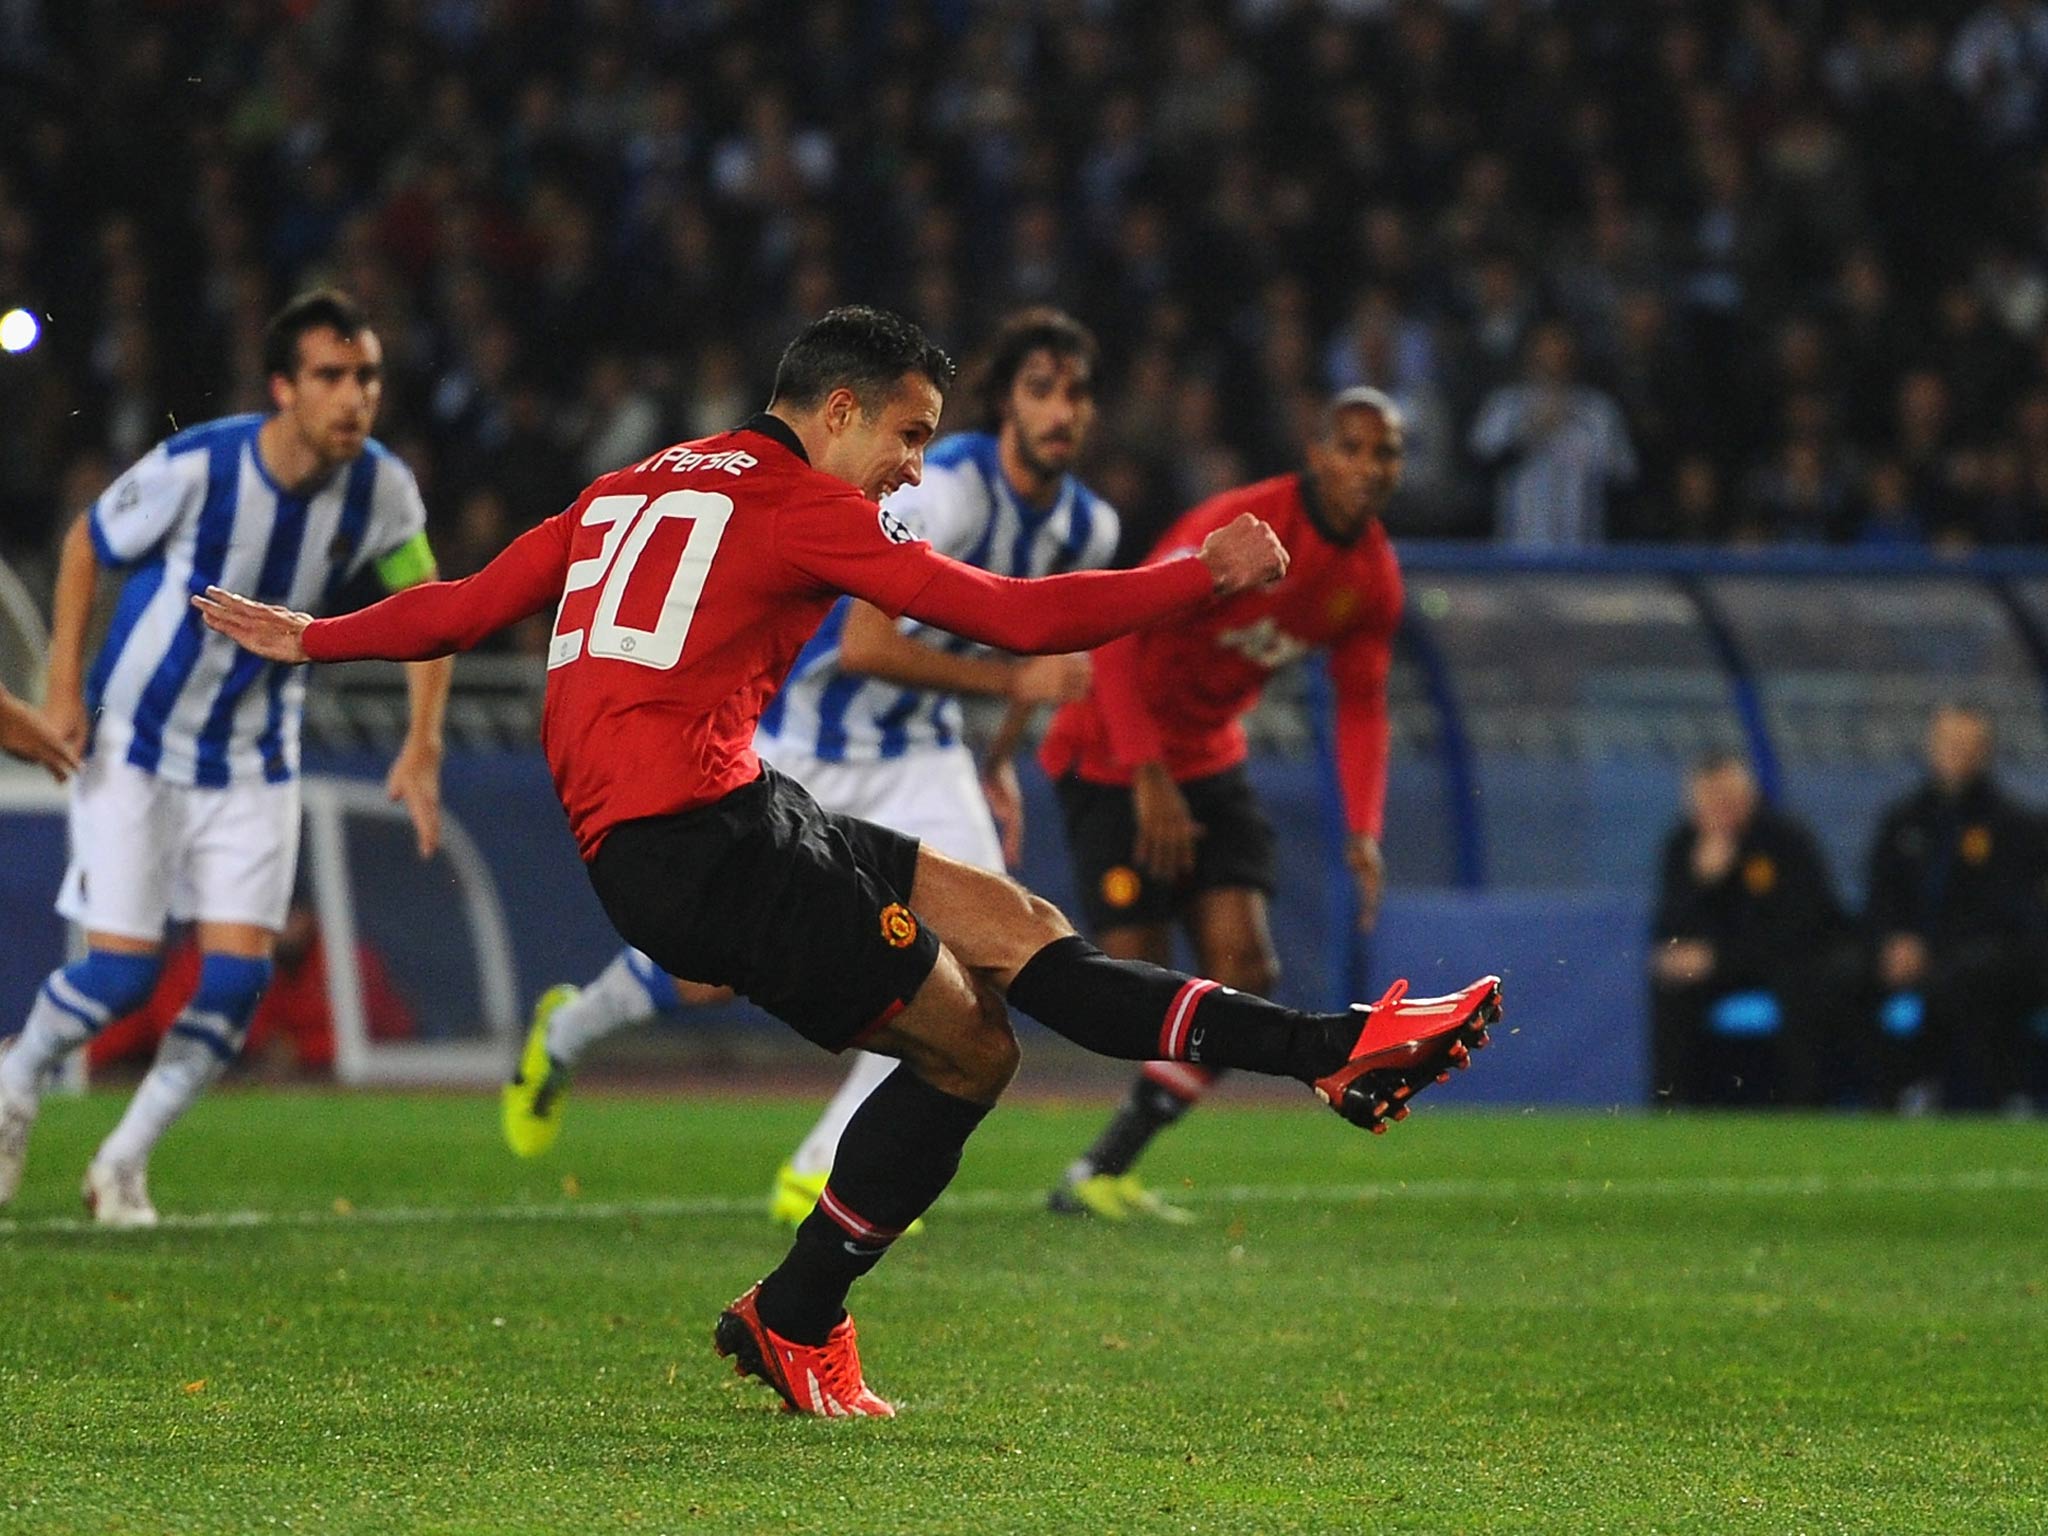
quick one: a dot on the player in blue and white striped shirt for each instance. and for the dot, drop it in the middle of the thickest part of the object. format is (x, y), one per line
(187, 805)
(870, 721)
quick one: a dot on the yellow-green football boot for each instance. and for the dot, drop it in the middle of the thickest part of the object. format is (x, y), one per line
(795, 1195)
(1114, 1197)
(1140, 1201)
(531, 1104)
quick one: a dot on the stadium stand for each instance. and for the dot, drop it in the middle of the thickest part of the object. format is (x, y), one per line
(1800, 245)
(1802, 248)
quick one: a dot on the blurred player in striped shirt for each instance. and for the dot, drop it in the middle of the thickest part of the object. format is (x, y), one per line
(187, 802)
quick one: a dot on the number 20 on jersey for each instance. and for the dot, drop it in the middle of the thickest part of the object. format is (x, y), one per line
(633, 555)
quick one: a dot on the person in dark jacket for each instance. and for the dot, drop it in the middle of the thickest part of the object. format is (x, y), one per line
(1751, 948)
(1955, 914)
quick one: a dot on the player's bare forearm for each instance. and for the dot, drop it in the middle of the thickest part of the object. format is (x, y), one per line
(70, 613)
(1369, 869)
(873, 646)
(1166, 829)
(1005, 798)
(999, 784)
(426, 688)
(1009, 735)
(415, 777)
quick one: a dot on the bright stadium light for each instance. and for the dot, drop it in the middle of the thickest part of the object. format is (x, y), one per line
(18, 331)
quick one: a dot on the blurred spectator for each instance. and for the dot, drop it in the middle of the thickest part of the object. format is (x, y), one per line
(482, 527)
(1696, 513)
(1924, 440)
(1870, 341)
(1956, 872)
(1891, 512)
(1659, 392)
(619, 423)
(718, 394)
(1800, 496)
(1975, 358)
(1750, 954)
(1557, 446)
(1998, 63)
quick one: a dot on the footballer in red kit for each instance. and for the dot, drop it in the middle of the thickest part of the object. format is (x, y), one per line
(1160, 817)
(1207, 671)
(735, 547)
(686, 585)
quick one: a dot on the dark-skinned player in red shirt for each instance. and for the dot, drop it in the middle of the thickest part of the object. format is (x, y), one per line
(684, 587)
(1150, 765)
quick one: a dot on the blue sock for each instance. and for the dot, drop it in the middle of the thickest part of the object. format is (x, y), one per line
(659, 985)
(74, 1004)
(230, 987)
(202, 1044)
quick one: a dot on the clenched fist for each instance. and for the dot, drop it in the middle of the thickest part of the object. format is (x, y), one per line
(1244, 555)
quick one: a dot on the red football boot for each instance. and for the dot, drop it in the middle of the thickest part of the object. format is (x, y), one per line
(820, 1379)
(1406, 1044)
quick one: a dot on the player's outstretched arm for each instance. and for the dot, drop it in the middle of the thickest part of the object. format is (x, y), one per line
(1080, 610)
(435, 618)
(274, 633)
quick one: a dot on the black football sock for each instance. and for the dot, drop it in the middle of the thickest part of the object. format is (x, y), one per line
(900, 1149)
(1148, 1109)
(1137, 1011)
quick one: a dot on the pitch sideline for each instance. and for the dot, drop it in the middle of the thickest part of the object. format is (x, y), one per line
(1010, 1202)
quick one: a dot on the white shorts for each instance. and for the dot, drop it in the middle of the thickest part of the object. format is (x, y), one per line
(934, 796)
(144, 851)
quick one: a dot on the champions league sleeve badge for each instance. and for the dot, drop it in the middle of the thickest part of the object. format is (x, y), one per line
(894, 529)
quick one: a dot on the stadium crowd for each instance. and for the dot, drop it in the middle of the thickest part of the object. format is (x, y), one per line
(1731, 271)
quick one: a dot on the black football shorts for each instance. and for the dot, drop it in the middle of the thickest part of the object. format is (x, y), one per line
(799, 909)
(1235, 849)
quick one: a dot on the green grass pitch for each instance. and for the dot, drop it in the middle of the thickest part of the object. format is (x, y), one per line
(365, 1316)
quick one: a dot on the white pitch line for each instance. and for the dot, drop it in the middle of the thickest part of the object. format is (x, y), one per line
(1005, 1202)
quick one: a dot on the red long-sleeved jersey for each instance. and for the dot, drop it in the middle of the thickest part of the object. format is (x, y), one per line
(686, 586)
(1177, 692)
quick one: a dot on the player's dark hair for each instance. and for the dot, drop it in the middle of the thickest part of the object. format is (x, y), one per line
(327, 309)
(1040, 328)
(860, 348)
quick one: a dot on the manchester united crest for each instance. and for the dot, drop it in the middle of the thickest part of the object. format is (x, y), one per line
(899, 927)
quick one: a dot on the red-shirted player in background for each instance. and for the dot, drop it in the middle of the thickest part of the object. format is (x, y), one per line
(684, 587)
(1150, 766)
